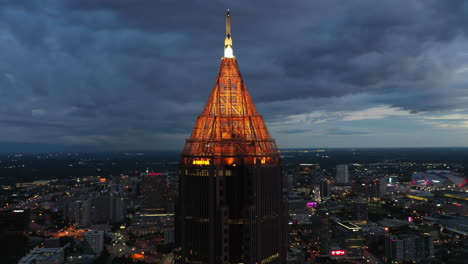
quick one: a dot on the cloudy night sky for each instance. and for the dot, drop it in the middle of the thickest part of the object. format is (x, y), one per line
(135, 74)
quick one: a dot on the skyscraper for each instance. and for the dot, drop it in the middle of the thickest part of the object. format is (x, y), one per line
(408, 247)
(324, 189)
(342, 174)
(231, 207)
(153, 192)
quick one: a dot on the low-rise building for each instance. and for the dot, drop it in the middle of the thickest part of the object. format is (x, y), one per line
(44, 256)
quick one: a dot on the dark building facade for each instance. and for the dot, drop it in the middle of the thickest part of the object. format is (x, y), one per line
(14, 234)
(324, 189)
(231, 206)
(154, 194)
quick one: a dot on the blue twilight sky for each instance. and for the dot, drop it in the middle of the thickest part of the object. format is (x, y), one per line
(134, 74)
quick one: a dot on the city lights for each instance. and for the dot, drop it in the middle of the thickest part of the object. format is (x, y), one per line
(338, 252)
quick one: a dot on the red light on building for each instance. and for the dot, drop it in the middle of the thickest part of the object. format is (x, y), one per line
(102, 179)
(154, 173)
(338, 252)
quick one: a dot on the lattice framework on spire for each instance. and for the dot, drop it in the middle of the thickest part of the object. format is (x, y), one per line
(230, 125)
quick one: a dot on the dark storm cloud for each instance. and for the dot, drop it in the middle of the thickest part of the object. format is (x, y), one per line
(121, 74)
(385, 49)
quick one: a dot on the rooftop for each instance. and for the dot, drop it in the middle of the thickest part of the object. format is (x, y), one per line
(43, 255)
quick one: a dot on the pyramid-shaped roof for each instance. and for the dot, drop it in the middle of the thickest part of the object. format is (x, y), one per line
(230, 124)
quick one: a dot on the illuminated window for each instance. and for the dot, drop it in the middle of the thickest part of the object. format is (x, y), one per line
(201, 162)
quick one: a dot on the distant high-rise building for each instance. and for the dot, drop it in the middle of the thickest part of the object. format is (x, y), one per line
(349, 236)
(108, 208)
(154, 187)
(117, 209)
(428, 246)
(408, 247)
(360, 210)
(394, 248)
(308, 175)
(95, 240)
(324, 189)
(372, 189)
(231, 207)
(383, 187)
(100, 210)
(342, 174)
(81, 210)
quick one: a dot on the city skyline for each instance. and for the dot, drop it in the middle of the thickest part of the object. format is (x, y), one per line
(110, 75)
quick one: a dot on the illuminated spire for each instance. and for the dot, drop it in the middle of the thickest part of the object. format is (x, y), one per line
(230, 125)
(228, 52)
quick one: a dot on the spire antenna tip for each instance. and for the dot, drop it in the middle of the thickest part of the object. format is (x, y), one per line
(228, 41)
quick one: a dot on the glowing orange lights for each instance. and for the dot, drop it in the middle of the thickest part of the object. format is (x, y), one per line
(102, 179)
(230, 125)
(201, 162)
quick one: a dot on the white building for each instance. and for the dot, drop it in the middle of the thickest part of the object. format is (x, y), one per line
(95, 239)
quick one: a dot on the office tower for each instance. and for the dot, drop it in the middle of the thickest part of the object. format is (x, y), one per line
(308, 175)
(104, 208)
(153, 192)
(409, 247)
(350, 238)
(372, 189)
(95, 240)
(342, 175)
(383, 187)
(231, 207)
(100, 210)
(428, 246)
(117, 209)
(360, 210)
(394, 248)
(324, 189)
(81, 212)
